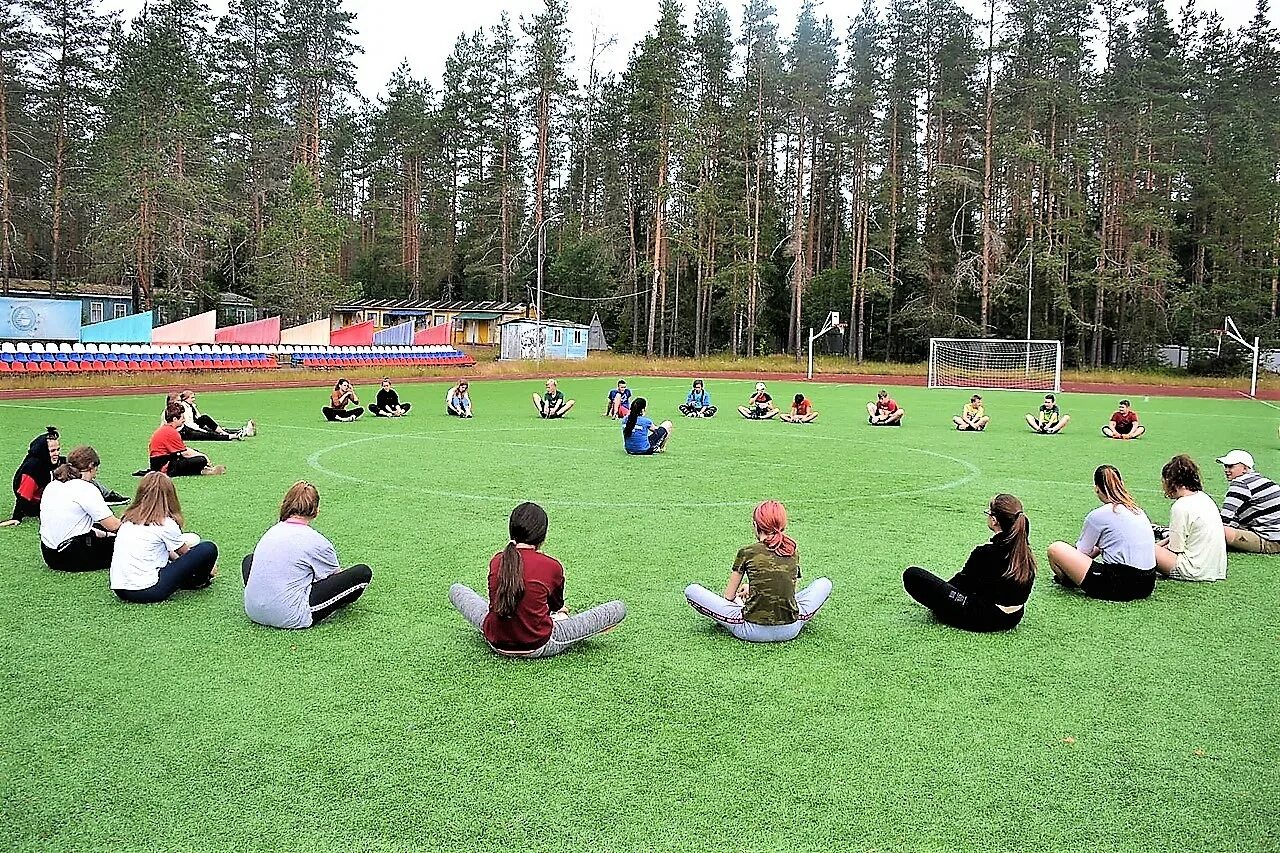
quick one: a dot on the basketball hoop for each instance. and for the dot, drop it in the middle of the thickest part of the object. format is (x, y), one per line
(831, 322)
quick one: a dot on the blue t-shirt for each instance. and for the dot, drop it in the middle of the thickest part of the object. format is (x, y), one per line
(638, 441)
(698, 399)
(624, 394)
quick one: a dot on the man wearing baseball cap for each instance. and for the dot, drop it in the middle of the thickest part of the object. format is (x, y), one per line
(1251, 509)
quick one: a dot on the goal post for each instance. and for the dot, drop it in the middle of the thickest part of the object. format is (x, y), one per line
(1231, 330)
(995, 364)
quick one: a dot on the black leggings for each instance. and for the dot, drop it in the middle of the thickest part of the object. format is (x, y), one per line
(193, 570)
(87, 553)
(379, 412)
(955, 608)
(23, 508)
(180, 466)
(332, 414)
(331, 594)
(208, 431)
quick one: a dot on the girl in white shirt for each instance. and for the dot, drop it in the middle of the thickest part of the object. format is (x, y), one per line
(75, 522)
(1195, 549)
(153, 558)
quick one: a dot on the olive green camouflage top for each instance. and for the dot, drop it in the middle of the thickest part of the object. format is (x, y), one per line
(772, 596)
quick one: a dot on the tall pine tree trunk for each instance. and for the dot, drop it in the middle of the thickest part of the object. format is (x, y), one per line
(988, 169)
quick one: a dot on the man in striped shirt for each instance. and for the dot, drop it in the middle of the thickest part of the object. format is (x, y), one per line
(1251, 510)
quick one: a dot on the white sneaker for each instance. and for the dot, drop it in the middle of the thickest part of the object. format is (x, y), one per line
(250, 430)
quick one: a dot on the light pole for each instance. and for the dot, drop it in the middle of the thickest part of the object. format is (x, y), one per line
(542, 248)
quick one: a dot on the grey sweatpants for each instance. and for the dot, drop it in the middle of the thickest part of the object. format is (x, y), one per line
(729, 613)
(564, 633)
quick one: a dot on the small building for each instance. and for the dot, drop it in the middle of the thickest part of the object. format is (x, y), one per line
(474, 323)
(525, 338)
(101, 302)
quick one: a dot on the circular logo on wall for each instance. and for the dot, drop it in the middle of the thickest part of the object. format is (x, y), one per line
(24, 318)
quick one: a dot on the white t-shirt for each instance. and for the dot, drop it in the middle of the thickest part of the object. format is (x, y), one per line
(70, 509)
(1195, 535)
(142, 550)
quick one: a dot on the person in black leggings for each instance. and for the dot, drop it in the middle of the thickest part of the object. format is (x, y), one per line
(342, 396)
(990, 593)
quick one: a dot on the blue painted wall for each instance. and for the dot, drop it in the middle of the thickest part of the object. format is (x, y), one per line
(39, 319)
(134, 329)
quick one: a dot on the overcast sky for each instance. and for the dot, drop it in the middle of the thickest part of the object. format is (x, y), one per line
(424, 32)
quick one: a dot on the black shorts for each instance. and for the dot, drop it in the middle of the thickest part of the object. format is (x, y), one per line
(1118, 582)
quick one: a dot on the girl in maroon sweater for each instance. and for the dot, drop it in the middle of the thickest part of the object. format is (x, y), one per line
(525, 615)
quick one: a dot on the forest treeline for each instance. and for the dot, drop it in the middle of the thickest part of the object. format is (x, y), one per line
(917, 170)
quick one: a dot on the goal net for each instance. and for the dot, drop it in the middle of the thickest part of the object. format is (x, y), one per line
(985, 363)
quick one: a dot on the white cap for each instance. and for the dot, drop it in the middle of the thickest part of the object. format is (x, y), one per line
(1237, 457)
(759, 386)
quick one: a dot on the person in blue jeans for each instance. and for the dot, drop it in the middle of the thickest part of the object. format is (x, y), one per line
(639, 436)
(153, 558)
(698, 403)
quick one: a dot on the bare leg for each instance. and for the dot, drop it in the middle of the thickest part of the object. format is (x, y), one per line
(1138, 431)
(983, 421)
(744, 411)
(1069, 563)
(1165, 560)
(1061, 424)
(1033, 423)
(961, 423)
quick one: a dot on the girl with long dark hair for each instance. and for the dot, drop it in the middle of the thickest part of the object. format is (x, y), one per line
(639, 436)
(75, 522)
(1115, 557)
(343, 395)
(760, 603)
(525, 615)
(990, 593)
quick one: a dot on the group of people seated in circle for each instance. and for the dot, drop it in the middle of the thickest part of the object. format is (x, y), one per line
(1049, 419)
(760, 407)
(293, 578)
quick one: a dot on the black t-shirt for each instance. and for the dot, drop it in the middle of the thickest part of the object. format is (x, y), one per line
(984, 575)
(388, 398)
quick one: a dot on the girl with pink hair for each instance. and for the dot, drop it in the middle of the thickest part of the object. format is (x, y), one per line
(766, 607)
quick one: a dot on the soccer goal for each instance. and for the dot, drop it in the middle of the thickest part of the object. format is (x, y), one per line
(993, 364)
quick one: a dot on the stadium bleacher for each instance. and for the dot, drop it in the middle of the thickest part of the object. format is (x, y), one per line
(38, 357)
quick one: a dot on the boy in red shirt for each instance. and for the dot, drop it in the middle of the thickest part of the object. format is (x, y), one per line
(801, 411)
(1124, 423)
(170, 455)
(884, 411)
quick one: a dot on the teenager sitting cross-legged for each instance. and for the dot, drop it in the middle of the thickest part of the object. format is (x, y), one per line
(525, 615)
(343, 395)
(388, 404)
(552, 404)
(698, 403)
(76, 525)
(766, 608)
(990, 593)
(639, 436)
(293, 578)
(153, 558)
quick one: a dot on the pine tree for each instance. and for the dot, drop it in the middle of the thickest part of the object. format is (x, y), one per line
(15, 42)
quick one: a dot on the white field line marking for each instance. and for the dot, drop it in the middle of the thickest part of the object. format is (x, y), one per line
(972, 473)
(1259, 400)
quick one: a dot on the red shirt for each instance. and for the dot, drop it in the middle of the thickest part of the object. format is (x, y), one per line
(1124, 421)
(801, 408)
(165, 442)
(529, 627)
(886, 405)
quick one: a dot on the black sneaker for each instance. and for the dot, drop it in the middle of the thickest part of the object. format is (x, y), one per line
(114, 498)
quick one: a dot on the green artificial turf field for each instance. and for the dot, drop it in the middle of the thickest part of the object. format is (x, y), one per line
(1146, 727)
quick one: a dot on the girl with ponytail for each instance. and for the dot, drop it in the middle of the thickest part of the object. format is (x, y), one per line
(525, 615)
(75, 522)
(766, 608)
(639, 436)
(1115, 557)
(990, 593)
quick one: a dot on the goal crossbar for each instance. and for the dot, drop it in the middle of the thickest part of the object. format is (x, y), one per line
(993, 363)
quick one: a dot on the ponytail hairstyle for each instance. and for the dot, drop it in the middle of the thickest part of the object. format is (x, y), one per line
(1180, 471)
(637, 409)
(1016, 530)
(770, 518)
(1106, 479)
(78, 461)
(527, 526)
